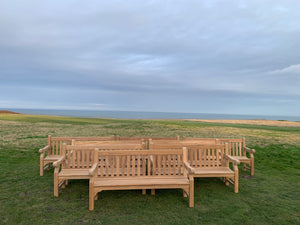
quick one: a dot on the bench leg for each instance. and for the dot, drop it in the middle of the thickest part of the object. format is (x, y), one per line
(144, 192)
(41, 169)
(152, 191)
(244, 167)
(191, 192)
(226, 181)
(91, 198)
(252, 168)
(41, 165)
(56, 186)
(236, 181)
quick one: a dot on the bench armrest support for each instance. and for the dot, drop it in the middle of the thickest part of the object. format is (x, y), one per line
(189, 168)
(251, 151)
(93, 169)
(59, 161)
(231, 159)
(43, 150)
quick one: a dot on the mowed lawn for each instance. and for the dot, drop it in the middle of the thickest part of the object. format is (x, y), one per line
(270, 197)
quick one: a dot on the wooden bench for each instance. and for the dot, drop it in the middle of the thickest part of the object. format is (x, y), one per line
(133, 170)
(53, 150)
(212, 161)
(74, 163)
(238, 150)
(76, 160)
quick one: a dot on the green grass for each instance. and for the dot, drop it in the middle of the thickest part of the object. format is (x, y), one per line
(270, 197)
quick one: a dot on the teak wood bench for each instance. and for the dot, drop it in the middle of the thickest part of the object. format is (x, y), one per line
(74, 164)
(213, 161)
(134, 170)
(76, 160)
(238, 150)
(53, 150)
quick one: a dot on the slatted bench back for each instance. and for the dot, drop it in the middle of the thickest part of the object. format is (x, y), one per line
(207, 155)
(165, 146)
(56, 143)
(167, 162)
(78, 158)
(122, 163)
(111, 146)
(135, 163)
(235, 146)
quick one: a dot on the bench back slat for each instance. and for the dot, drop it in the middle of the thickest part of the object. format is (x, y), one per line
(235, 146)
(140, 163)
(77, 158)
(207, 155)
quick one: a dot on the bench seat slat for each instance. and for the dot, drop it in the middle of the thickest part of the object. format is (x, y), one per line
(139, 181)
(213, 172)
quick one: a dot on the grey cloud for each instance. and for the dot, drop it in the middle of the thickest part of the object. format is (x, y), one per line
(164, 52)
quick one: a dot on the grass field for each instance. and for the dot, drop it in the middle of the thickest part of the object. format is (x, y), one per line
(270, 197)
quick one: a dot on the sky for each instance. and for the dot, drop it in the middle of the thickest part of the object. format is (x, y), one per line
(228, 57)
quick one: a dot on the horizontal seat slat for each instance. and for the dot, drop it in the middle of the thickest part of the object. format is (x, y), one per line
(139, 181)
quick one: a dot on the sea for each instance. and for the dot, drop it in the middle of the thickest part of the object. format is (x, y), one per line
(146, 115)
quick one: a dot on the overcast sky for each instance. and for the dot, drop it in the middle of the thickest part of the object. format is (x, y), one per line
(236, 57)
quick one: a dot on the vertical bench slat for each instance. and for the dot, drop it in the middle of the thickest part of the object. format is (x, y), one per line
(128, 165)
(118, 165)
(101, 159)
(178, 165)
(213, 157)
(107, 166)
(139, 165)
(159, 165)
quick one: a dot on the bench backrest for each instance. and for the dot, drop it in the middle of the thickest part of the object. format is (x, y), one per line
(118, 138)
(235, 146)
(56, 143)
(161, 145)
(78, 158)
(111, 146)
(207, 155)
(147, 138)
(131, 163)
(201, 140)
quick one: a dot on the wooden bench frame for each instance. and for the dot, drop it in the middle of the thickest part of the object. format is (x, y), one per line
(74, 164)
(82, 152)
(238, 150)
(213, 161)
(53, 150)
(121, 177)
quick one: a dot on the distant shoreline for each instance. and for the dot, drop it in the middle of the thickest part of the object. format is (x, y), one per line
(277, 123)
(8, 112)
(206, 117)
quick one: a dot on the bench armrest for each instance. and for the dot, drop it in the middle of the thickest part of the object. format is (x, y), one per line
(59, 161)
(231, 159)
(93, 169)
(251, 151)
(43, 150)
(189, 168)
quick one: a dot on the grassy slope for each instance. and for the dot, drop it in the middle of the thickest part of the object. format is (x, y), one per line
(270, 197)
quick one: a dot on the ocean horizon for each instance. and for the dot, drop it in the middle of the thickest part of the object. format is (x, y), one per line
(145, 115)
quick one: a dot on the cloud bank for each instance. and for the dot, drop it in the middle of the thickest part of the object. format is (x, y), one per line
(239, 57)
